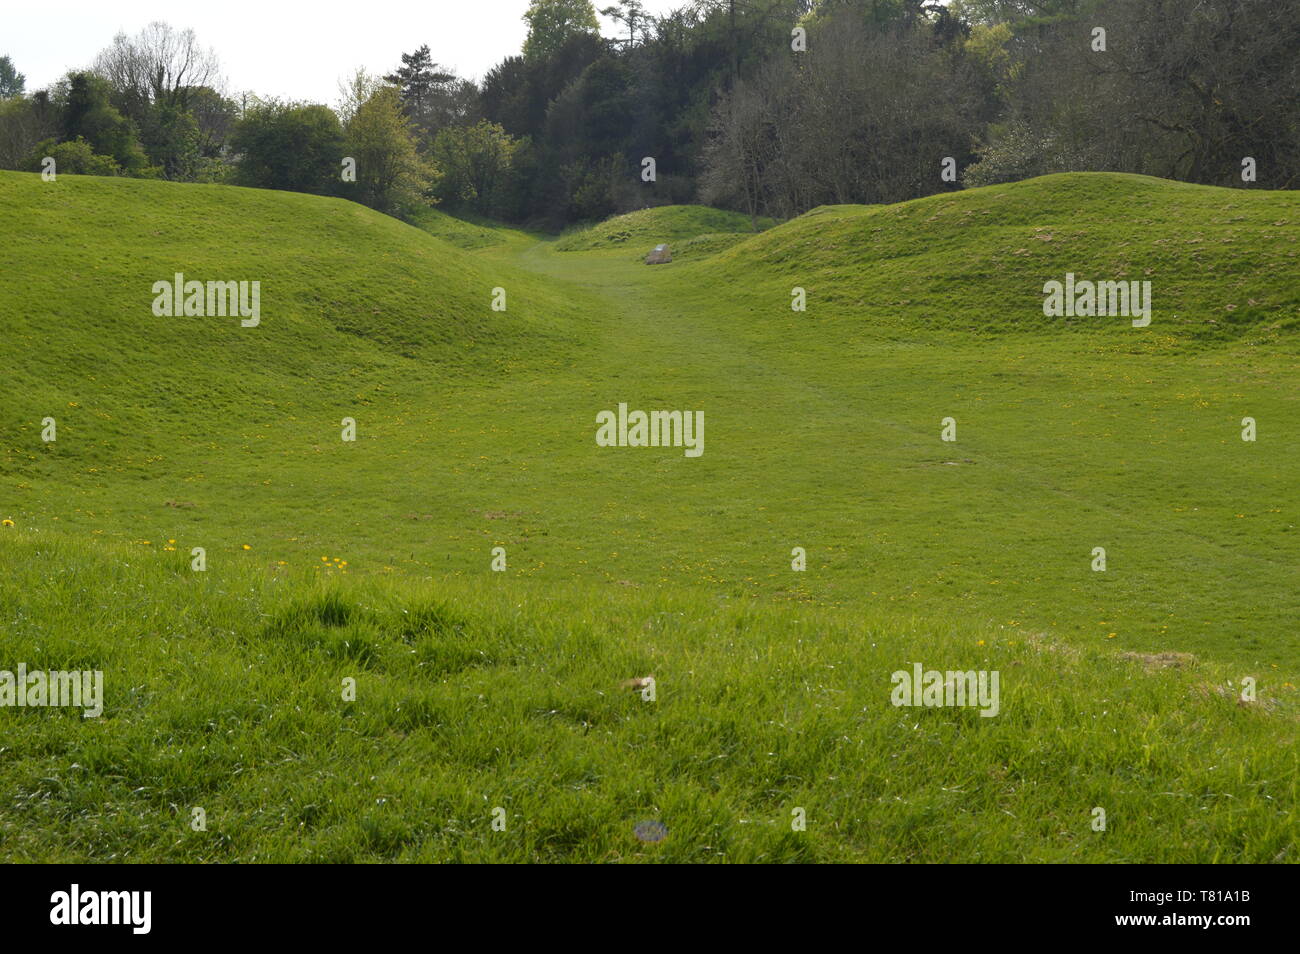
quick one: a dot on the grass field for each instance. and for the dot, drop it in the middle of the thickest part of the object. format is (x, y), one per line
(478, 690)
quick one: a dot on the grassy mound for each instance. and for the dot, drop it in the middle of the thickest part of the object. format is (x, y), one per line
(458, 231)
(1220, 262)
(351, 303)
(650, 227)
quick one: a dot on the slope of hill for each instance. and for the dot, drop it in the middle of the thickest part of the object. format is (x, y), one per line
(461, 232)
(1221, 263)
(334, 274)
(350, 301)
(666, 223)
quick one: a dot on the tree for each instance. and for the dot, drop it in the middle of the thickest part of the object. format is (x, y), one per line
(865, 120)
(475, 163)
(416, 79)
(606, 87)
(391, 176)
(738, 151)
(24, 122)
(170, 137)
(215, 117)
(12, 83)
(1182, 92)
(517, 92)
(990, 12)
(293, 146)
(73, 158)
(160, 78)
(629, 13)
(433, 96)
(88, 114)
(510, 97)
(551, 23)
(159, 65)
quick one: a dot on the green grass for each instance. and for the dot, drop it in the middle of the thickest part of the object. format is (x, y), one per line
(476, 430)
(974, 263)
(651, 227)
(463, 232)
(225, 693)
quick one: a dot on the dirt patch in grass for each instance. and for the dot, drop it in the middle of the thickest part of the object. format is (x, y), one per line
(1154, 661)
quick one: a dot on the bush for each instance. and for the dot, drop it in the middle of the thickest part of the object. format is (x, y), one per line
(73, 158)
(298, 148)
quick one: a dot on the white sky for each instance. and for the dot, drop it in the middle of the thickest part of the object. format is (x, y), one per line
(295, 50)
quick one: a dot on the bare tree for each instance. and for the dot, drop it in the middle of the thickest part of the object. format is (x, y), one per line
(738, 151)
(159, 65)
(1182, 91)
(24, 122)
(866, 116)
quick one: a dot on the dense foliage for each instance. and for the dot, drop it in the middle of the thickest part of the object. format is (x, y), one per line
(769, 107)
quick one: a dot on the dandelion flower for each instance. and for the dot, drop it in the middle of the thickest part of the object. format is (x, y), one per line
(6, 523)
(247, 547)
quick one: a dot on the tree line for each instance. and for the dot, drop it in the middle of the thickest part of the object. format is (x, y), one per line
(766, 106)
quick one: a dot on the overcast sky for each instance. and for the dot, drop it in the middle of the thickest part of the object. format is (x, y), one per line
(295, 49)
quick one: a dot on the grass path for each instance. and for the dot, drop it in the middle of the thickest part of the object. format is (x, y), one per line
(844, 459)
